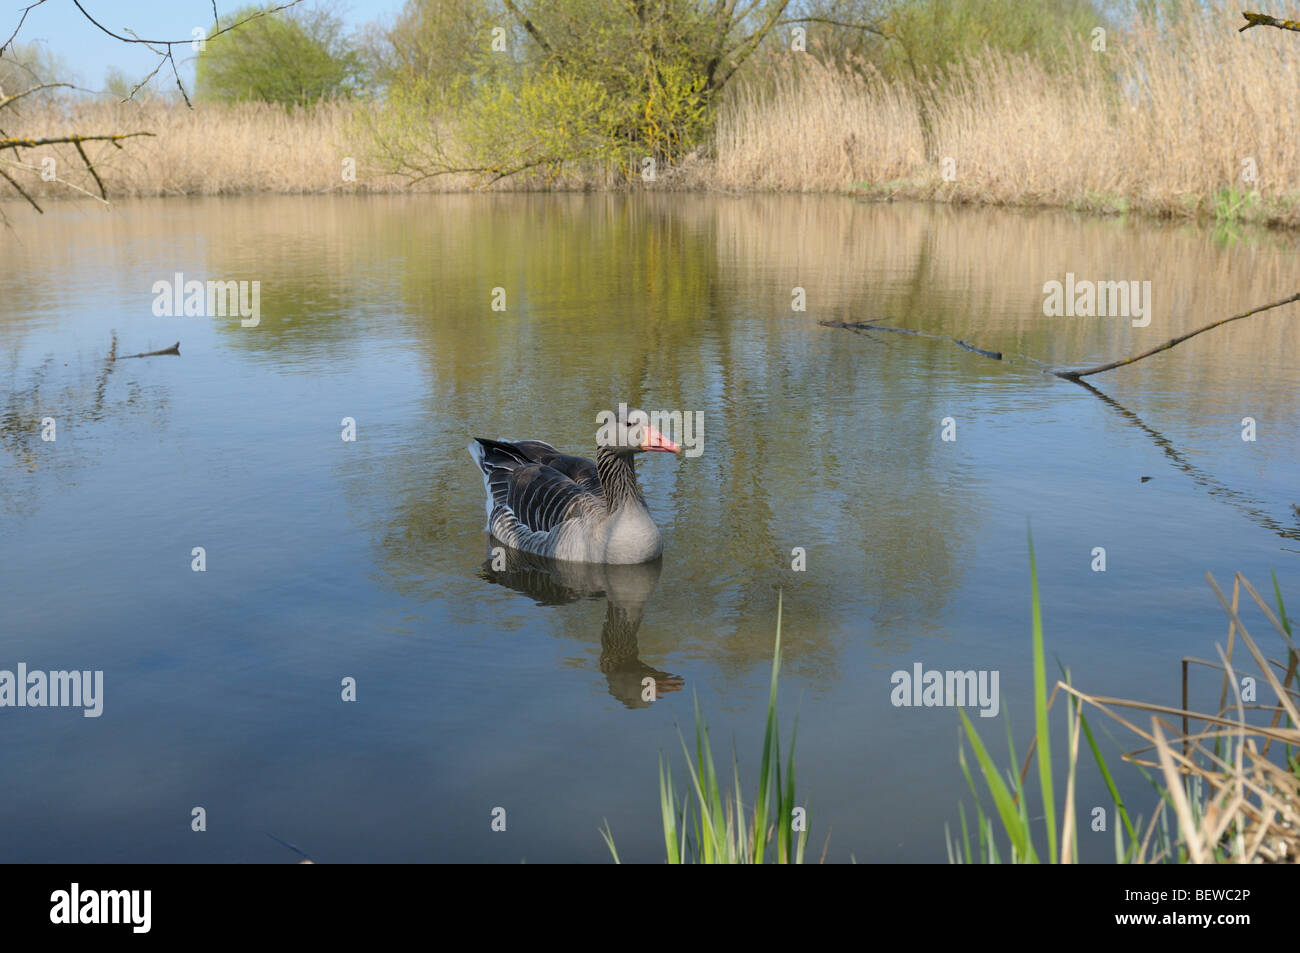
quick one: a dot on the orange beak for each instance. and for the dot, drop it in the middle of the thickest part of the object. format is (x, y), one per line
(654, 440)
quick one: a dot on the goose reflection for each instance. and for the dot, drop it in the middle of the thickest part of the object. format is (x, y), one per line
(626, 589)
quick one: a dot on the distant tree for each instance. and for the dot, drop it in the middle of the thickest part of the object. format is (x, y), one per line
(116, 83)
(925, 36)
(498, 87)
(26, 65)
(293, 58)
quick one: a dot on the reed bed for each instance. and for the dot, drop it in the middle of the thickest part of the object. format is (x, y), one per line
(209, 150)
(1185, 118)
(1178, 120)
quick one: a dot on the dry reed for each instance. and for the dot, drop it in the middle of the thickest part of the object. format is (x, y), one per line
(1167, 121)
(210, 150)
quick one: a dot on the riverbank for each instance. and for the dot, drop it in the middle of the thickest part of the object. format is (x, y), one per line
(1188, 121)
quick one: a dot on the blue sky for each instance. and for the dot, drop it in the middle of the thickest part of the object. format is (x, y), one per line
(60, 26)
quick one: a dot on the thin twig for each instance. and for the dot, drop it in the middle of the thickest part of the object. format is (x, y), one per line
(8, 178)
(90, 167)
(26, 10)
(866, 27)
(6, 100)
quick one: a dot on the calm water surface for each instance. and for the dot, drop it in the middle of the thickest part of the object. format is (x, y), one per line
(328, 559)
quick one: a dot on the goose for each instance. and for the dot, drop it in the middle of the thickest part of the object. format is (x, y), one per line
(546, 503)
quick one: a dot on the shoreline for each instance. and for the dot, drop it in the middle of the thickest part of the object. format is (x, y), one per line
(867, 193)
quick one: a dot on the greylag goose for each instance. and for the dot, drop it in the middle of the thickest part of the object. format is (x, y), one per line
(547, 503)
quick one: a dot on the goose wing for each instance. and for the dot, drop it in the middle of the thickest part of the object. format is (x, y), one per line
(578, 469)
(526, 498)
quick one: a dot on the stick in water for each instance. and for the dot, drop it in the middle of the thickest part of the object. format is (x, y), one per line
(174, 349)
(1089, 371)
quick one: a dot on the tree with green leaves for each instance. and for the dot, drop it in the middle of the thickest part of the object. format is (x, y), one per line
(291, 57)
(498, 87)
(493, 88)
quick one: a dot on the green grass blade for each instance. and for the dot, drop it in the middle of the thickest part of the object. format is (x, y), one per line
(1002, 799)
(608, 835)
(1281, 607)
(735, 773)
(965, 833)
(1044, 753)
(788, 802)
(1111, 786)
(707, 836)
(668, 810)
(979, 807)
(763, 804)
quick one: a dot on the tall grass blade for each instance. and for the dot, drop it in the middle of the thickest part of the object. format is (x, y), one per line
(1002, 799)
(1041, 728)
(608, 836)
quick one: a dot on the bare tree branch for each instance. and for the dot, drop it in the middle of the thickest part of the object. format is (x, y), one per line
(169, 43)
(20, 191)
(527, 24)
(1088, 372)
(6, 100)
(164, 47)
(13, 142)
(866, 27)
(12, 36)
(1263, 19)
(72, 185)
(81, 151)
(742, 51)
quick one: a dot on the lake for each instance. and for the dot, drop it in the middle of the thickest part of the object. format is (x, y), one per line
(326, 560)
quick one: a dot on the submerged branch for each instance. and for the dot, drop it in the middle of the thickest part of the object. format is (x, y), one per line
(864, 326)
(1249, 506)
(174, 349)
(1089, 371)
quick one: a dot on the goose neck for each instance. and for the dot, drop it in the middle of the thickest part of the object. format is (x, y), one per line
(617, 478)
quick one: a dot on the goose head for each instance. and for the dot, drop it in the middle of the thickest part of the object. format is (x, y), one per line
(629, 432)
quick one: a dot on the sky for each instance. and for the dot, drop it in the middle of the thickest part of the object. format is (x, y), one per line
(89, 53)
